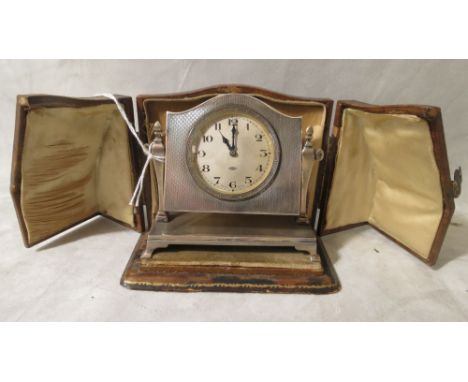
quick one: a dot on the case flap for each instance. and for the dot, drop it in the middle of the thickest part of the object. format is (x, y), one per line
(73, 158)
(387, 166)
(315, 112)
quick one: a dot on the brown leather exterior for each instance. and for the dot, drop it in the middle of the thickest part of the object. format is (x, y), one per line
(433, 117)
(26, 103)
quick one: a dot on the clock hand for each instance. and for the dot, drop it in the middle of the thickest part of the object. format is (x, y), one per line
(225, 141)
(233, 147)
(233, 131)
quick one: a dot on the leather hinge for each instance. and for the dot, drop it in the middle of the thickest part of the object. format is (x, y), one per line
(457, 182)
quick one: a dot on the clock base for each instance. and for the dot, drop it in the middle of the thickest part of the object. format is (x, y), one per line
(234, 230)
(229, 268)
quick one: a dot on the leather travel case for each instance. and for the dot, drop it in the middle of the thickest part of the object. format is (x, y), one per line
(385, 166)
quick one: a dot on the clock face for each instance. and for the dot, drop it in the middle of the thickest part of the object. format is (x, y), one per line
(233, 155)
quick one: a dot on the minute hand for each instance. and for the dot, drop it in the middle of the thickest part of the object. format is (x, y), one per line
(233, 150)
(233, 131)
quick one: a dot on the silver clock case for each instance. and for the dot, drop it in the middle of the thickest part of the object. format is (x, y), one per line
(279, 196)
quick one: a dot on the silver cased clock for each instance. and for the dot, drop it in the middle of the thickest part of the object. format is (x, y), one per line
(184, 190)
(192, 207)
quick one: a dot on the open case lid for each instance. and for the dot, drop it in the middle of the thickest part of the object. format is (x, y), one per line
(387, 167)
(315, 112)
(73, 159)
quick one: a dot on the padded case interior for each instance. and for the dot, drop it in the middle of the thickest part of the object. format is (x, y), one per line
(76, 163)
(386, 174)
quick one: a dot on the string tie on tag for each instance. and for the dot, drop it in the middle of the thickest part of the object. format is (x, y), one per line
(147, 150)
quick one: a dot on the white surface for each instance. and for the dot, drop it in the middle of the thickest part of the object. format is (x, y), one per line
(76, 276)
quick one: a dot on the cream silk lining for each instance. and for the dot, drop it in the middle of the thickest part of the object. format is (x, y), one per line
(76, 163)
(386, 175)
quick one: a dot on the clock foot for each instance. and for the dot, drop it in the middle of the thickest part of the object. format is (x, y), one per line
(162, 216)
(303, 219)
(311, 249)
(150, 248)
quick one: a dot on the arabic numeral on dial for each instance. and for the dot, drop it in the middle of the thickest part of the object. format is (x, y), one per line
(248, 180)
(259, 137)
(218, 126)
(264, 153)
(232, 184)
(259, 168)
(207, 138)
(217, 178)
(205, 168)
(248, 127)
(201, 153)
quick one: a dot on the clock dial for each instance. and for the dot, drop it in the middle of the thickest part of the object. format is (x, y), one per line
(234, 155)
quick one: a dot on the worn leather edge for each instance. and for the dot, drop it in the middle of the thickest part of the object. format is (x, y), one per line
(333, 287)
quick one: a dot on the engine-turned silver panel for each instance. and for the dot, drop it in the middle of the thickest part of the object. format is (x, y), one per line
(281, 197)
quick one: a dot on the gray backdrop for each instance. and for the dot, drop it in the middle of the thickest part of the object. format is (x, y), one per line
(442, 83)
(76, 276)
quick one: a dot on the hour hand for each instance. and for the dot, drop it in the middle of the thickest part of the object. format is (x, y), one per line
(225, 141)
